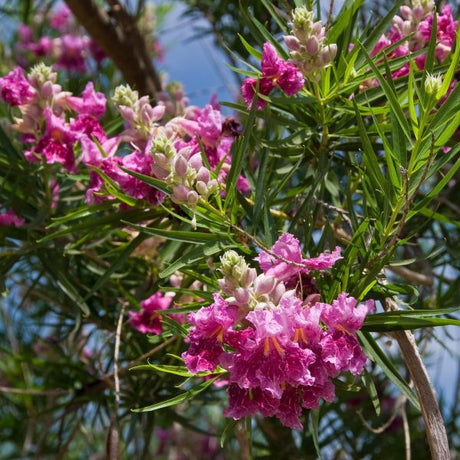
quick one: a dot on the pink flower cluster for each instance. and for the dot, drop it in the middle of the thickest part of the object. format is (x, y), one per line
(275, 72)
(280, 345)
(70, 50)
(418, 21)
(169, 151)
(43, 122)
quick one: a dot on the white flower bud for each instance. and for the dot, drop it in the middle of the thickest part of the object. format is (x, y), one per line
(264, 284)
(201, 188)
(192, 198)
(180, 192)
(312, 45)
(203, 175)
(433, 83)
(180, 166)
(292, 42)
(241, 296)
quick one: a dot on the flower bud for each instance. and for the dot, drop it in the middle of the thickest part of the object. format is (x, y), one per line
(180, 192)
(180, 166)
(278, 292)
(264, 284)
(317, 29)
(292, 42)
(418, 12)
(161, 160)
(196, 162)
(406, 12)
(248, 277)
(124, 95)
(41, 73)
(203, 175)
(201, 188)
(192, 198)
(241, 296)
(433, 83)
(312, 45)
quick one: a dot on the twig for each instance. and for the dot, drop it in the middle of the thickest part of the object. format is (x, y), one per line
(329, 16)
(116, 356)
(113, 436)
(396, 411)
(435, 429)
(242, 438)
(406, 433)
(30, 392)
(410, 275)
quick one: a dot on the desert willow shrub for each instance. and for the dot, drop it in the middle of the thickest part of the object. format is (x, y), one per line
(244, 261)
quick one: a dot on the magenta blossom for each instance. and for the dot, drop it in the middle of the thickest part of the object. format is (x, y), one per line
(9, 218)
(275, 72)
(287, 247)
(92, 103)
(209, 327)
(16, 90)
(148, 321)
(60, 18)
(343, 315)
(446, 29)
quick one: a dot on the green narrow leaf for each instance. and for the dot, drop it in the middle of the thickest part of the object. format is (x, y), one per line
(251, 50)
(278, 19)
(372, 390)
(123, 257)
(178, 399)
(429, 62)
(196, 255)
(314, 430)
(391, 96)
(228, 430)
(179, 235)
(6, 144)
(373, 350)
(344, 17)
(64, 283)
(155, 183)
(370, 157)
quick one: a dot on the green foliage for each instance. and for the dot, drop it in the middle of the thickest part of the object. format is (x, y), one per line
(373, 169)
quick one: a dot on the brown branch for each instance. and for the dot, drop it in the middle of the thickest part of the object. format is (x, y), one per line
(121, 41)
(410, 275)
(435, 429)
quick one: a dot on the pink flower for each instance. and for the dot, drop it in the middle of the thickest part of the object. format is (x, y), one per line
(209, 327)
(275, 71)
(287, 247)
(71, 50)
(248, 91)
(446, 29)
(16, 90)
(56, 144)
(343, 315)
(9, 218)
(92, 103)
(59, 19)
(87, 125)
(43, 47)
(148, 321)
